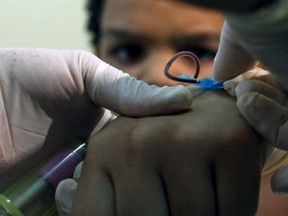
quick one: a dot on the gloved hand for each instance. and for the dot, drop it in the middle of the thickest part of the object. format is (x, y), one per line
(48, 97)
(262, 100)
(254, 30)
(259, 35)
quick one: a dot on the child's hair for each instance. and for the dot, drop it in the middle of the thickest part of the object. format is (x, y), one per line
(94, 9)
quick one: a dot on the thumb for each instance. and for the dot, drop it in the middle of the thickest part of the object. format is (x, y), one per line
(65, 192)
(266, 116)
(231, 59)
(64, 196)
(115, 90)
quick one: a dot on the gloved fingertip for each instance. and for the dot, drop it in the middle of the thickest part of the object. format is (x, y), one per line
(64, 196)
(184, 96)
(279, 182)
(230, 86)
(163, 101)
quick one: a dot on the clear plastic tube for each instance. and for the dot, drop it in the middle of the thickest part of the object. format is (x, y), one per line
(33, 195)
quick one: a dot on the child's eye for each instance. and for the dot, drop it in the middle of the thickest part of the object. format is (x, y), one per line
(128, 53)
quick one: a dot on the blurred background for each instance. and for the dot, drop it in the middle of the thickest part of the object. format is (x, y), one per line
(56, 24)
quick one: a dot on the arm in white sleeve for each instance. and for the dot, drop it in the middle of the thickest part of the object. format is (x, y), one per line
(49, 97)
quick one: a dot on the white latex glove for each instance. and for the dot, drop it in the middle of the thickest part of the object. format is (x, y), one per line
(253, 89)
(261, 35)
(48, 97)
(262, 99)
(258, 35)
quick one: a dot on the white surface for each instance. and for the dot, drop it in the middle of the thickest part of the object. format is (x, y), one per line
(59, 24)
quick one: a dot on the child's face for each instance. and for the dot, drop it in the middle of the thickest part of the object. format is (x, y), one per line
(139, 37)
